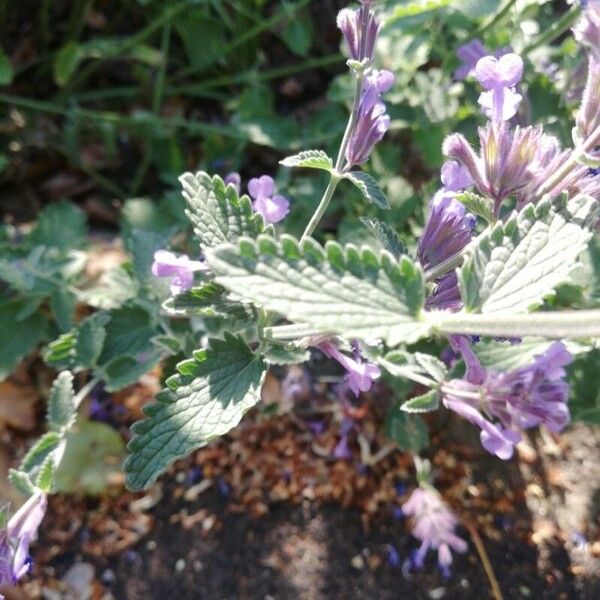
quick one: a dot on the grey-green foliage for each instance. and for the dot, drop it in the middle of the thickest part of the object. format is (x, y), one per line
(216, 211)
(333, 288)
(207, 398)
(515, 265)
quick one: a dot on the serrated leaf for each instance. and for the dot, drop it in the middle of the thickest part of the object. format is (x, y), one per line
(61, 405)
(285, 355)
(519, 263)
(60, 225)
(424, 403)
(369, 188)
(333, 289)
(45, 476)
(310, 159)
(206, 399)
(91, 334)
(216, 212)
(39, 453)
(124, 371)
(388, 239)
(62, 303)
(21, 481)
(406, 430)
(478, 205)
(407, 364)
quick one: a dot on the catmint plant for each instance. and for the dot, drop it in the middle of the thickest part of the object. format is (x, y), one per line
(508, 226)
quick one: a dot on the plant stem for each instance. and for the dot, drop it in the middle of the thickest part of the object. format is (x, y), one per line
(85, 390)
(495, 19)
(556, 30)
(336, 175)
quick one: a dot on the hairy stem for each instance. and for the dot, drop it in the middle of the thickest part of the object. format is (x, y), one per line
(336, 176)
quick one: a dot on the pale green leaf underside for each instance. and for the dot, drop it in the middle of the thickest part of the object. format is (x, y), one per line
(61, 405)
(333, 289)
(311, 159)
(216, 212)
(369, 188)
(424, 403)
(207, 399)
(517, 264)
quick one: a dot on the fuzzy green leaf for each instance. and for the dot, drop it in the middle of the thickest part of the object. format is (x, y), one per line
(408, 431)
(478, 205)
(61, 405)
(311, 159)
(424, 403)
(369, 188)
(206, 399)
(285, 355)
(216, 212)
(333, 289)
(386, 236)
(414, 365)
(519, 263)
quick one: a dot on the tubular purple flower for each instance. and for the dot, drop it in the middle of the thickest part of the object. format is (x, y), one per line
(359, 28)
(475, 373)
(588, 116)
(433, 524)
(373, 122)
(499, 77)
(514, 400)
(587, 29)
(273, 208)
(455, 176)
(360, 373)
(469, 54)
(181, 269)
(20, 531)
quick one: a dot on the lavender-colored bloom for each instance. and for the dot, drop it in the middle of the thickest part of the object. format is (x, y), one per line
(469, 54)
(499, 77)
(360, 374)
(180, 269)
(433, 524)
(20, 531)
(587, 29)
(455, 176)
(475, 373)
(372, 122)
(273, 208)
(393, 557)
(360, 29)
(235, 180)
(508, 402)
(588, 116)
(342, 449)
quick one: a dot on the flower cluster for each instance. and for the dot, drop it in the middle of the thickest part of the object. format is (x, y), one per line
(360, 29)
(15, 538)
(433, 523)
(507, 402)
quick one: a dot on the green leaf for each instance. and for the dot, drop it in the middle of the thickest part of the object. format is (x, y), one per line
(41, 450)
(298, 36)
(124, 371)
(21, 481)
(310, 159)
(414, 366)
(45, 476)
(18, 337)
(386, 236)
(61, 405)
(333, 289)
(6, 69)
(285, 355)
(424, 403)
(413, 9)
(62, 302)
(66, 62)
(114, 288)
(93, 453)
(142, 245)
(584, 379)
(206, 399)
(517, 264)
(60, 225)
(369, 188)
(406, 430)
(91, 334)
(475, 9)
(478, 205)
(216, 212)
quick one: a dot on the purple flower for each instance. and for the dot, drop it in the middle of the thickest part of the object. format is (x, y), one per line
(360, 29)
(469, 54)
(15, 538)
(342, 449)
(273, 208)
(433, 524)
(180, 269)
(508, 402)
(475, 373)
(372, 122)
(587, 29)
(588, 116)
(455, 176)
(360, 374)
(235, 180)
(499, 77)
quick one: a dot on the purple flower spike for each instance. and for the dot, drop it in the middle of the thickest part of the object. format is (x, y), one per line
(181, 269)
(272, 208)
(455, 176)
(360, 374)
(373, 122)
(20, 531)
(499, 77)
(469, 54)
(587, 29)
(360, 29)
(433, 524)
(514, 400)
